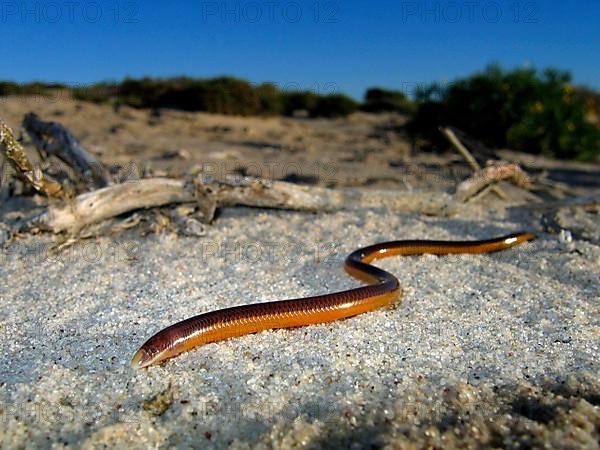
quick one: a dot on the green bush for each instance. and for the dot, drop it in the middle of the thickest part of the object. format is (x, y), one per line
(334, 105)
(231, 96)
(8, 88)
(520, 109)
(298, 101)
(223, 95)
(383, 100)
(95, 93)
(270, 99)
(33, 88)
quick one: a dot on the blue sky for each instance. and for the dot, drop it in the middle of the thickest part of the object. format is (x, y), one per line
(319, 45)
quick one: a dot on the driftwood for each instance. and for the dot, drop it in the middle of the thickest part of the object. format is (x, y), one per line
(206, 195)
(480, 152)
(111, 201)
(487, 176)
(455, 141)
(15, 154)
(51, 138)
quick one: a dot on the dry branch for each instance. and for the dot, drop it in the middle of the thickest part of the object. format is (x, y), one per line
(486, 177)
(207, 194)
(111, 201)
(15, 154)
(54, 139)
(477, 149)
(451, 136)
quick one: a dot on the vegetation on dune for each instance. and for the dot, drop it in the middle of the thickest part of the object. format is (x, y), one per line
(33, 88)
(333, 105)
(523, 109)
(223, 95)
(297, 101)
(384, 100)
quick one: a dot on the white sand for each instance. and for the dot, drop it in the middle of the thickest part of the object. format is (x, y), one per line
(471, 335)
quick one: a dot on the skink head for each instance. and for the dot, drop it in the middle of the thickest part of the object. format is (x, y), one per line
(144, 358)
(140, 360)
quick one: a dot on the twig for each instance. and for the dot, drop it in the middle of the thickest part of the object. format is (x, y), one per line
(449, 133)
(15, 154)
(486, 177)
(54, 139)
(4, 180)
(477, 148)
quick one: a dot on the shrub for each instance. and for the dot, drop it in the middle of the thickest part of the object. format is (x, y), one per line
(231, 96)
(33, 88)
(270, 99)
(521, 109)
(383, 100)
(298, 101)
(8, 88)
(95, 93)
(334, 105)
(223, 95)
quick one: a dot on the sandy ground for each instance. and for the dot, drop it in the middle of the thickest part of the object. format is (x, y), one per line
(496, 350)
